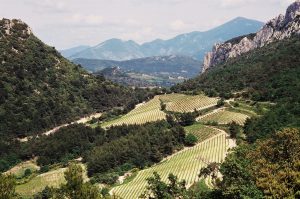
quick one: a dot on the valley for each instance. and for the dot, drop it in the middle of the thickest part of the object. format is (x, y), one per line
(147, 121)
(212, 146)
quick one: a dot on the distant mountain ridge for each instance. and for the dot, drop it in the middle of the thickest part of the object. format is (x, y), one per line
(279, 28)
(169, 65)
(194, 44)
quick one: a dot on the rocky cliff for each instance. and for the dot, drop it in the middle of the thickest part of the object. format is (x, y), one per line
(281, 27)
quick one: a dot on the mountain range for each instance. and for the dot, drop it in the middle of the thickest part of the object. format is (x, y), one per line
(279, 28)
(168, 65)
(194, 44)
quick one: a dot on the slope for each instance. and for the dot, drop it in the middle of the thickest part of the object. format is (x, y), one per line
(194, 44)
(40, 89)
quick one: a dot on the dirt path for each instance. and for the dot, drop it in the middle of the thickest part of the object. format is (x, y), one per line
(82, 120)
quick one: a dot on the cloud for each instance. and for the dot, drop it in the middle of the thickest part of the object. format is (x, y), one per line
(48, 5)
(85, 19)
(177, 25)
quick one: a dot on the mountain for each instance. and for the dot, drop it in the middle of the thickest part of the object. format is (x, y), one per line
(281, 27)
(113, 49)
(40, 89)
(194, 44)
(171, 65)
(72, 51)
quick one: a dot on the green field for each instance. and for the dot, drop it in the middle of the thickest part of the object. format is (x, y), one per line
(52, 178)
(143, 113)
(187, 103)
(201, 132)
(225, 117)
(186, 164)
(150, 111)
(19, 169)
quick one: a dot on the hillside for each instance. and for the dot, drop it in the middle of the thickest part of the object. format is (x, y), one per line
(40, 89)
(270, 73)
(172, 65)
(279, 28)
(194, 44)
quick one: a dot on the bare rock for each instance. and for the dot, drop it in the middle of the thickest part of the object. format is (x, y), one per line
(281, 27)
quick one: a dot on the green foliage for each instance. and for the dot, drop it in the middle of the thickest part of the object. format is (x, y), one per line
(106, 178)
(270, 73)
(157, 189)
(221, 103)
(139, 146)
(27, 172)
(67, 143)
(190, 140)
(7, 187)
(186, 119)
(234, 130)
(74, 188)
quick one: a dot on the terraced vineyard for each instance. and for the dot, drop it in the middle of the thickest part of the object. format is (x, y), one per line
(19, 170)
(38, 183)
(150, 111)
(185, 164)
(225, 117)
(187, 103)
(143, 113)
(202, 132)
(52, 179)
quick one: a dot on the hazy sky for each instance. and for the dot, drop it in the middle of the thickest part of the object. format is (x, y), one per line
(67, 23)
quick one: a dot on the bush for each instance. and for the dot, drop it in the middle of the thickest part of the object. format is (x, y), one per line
(27, 172)
(109, 178)
(190, 140)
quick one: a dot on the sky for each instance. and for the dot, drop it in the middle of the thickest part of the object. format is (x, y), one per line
(69, 23)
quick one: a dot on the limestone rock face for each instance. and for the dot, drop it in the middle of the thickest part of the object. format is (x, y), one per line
(14, 26)
(281, 27)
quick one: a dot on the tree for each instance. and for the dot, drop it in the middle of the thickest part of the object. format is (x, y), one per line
(163, 106)
(186, 119)
(190, 140)
(221, 102)
(7, 187)
(275, 164)
(75, 187)
(157, 189)
(234, 130)
(212, 170)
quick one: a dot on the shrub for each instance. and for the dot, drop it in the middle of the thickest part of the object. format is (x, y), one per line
(190, 140)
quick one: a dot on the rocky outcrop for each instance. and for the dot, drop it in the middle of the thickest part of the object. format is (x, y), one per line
(14, 26)
(281, 27)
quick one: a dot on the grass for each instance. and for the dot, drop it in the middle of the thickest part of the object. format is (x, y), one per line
(150, 111)
(52, 178)
(225, 117)
(143, 113)
(19, 169)
(185, 164)
(201, 131)
(187, 103)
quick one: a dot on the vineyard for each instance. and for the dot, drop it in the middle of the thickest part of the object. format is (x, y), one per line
(143, 113)
(201, 132)
(186, 164)
(19, 170)
(187, 103)
(150, 111)
(225, 117)
(37, 183)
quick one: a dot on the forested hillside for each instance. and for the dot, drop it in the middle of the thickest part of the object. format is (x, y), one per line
(265, 162)
(40, 89)
(269, 73)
